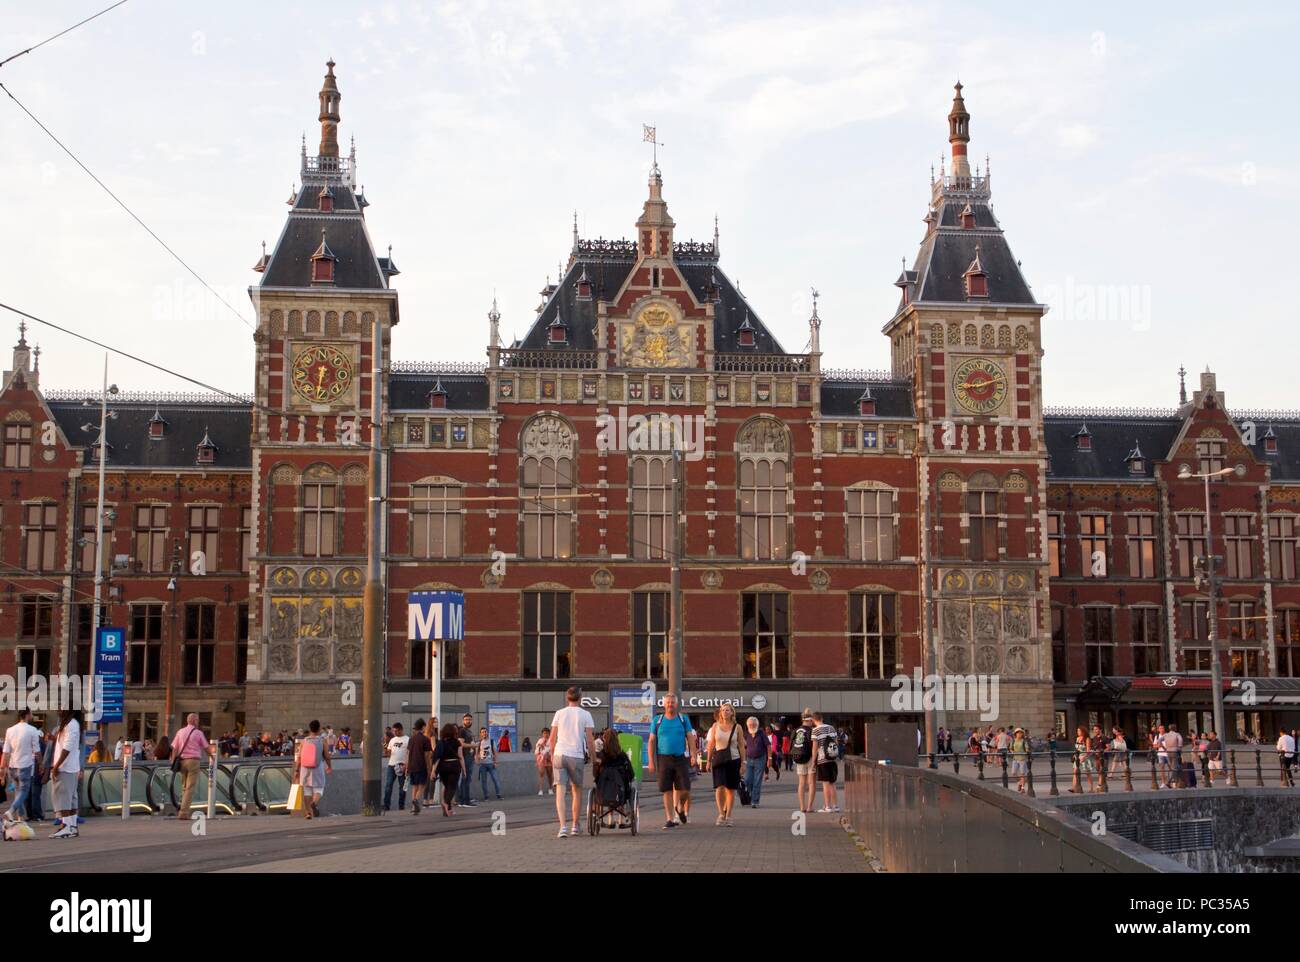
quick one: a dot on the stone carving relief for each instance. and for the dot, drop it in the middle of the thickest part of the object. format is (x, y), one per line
(762, 436)
(987, 659)
(956, 659)
(547, 436)
(956, 622)
(986, 621)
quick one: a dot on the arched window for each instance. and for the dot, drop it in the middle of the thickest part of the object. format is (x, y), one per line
(545, 490)
(651, 507)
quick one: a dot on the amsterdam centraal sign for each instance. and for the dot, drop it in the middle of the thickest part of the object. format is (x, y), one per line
(756, 701)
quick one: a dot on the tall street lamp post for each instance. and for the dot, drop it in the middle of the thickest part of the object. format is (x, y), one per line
(1211, 586)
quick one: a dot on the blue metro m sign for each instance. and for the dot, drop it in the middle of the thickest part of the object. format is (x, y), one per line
(435, 615)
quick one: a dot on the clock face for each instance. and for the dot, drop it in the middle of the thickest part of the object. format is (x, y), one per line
(322, 374)
(980, 385)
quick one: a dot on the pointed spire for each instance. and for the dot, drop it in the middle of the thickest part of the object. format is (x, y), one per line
(329, 113)
(716, 246)
(654, 226)
(959, 136)
(1182, 384)
(575, 230)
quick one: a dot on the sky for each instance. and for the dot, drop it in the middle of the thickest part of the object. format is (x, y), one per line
(1142, 158)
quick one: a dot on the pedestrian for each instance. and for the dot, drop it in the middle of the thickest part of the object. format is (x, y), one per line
(785, 747)
(1214, 756)
(396, 751)
(503, 744)
(22, 747)
(468, 744)
(246, 744)
(419, 762)
(448, 763)
(828, 767)
(774, 742)
(726, 747)
(1019, 758)
(486, 756)
(191, 745)
(1083, 761)
(526, 745)
(612, 774)
(1286, 755)
(805, 766)
(542, 757)
(312, 762)
(573, 742)
(1174, 748)
(99, 754)
(758, 755)
(672, 746)
(117, 749)
(64, 773)
(344, 746)
(40, 775)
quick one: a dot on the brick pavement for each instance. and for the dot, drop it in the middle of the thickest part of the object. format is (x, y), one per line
(760, 841)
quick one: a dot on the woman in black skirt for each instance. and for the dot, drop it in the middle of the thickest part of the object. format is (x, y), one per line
(725, 751)
(446, 764)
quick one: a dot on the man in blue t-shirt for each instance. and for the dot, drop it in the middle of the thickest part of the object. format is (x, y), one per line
(672, 746)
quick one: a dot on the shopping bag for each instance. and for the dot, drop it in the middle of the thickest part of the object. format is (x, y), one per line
(745, 797)
(295, 798)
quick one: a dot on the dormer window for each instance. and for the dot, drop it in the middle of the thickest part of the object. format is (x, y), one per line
(559, 331)
(325, 200)
(157, 426)
(867, 404)
(584, 286)
(322, 263)
(1137, 464)
(977, 282)
(745, 333)
(438, 396)
(968, 218)
(1083, 439)
(1270, 441)
(205, 452)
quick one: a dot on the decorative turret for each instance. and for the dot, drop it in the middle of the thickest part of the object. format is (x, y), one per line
(329, 114)
(959, 137)
(655, 227)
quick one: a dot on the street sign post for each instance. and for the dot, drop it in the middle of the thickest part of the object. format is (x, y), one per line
(109, 677)
(435, 616)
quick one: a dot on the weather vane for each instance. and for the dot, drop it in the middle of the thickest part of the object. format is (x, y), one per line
(648, 135)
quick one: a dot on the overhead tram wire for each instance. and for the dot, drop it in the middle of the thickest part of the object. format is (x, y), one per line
(149, 230)
(62, 32)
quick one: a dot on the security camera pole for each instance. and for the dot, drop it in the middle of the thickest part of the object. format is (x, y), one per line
(1207, 576)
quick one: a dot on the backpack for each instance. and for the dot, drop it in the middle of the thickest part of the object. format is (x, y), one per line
(309, 757)
(801, 746)
(831, 749)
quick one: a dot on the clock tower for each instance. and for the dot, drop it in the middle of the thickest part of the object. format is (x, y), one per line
(967, 335)
(323, 300)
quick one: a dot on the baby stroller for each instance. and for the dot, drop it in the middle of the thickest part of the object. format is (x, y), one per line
(612, 801)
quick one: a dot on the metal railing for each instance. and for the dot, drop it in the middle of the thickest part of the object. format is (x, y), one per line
(762, 363)
(561, 358)
(1132, 770)
(243, 785)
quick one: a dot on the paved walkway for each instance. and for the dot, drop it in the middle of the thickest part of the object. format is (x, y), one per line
(761, 841)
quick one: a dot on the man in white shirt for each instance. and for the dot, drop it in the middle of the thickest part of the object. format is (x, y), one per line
(1286, 755)
(21, 745)
(572, 741)
(396, 750)
(65, 772)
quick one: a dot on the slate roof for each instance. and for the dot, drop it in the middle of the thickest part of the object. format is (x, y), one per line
(408, 391)
(1114, 437)
(607, 275)
(893, 398)
(948, 250)
(346, 235)
(228, 424)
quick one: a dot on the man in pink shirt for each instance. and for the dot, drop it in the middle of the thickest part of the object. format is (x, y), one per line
(189, 745)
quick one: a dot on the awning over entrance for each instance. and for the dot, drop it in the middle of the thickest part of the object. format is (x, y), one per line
(1160, 691)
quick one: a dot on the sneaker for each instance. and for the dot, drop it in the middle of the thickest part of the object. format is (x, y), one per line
(681, 815)
(823, 810)
(729, 823)
(67, 831)
(563, 833)
(669, 824)
(575, 831)
(540, 793)
(498, 798)
(719, 821)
